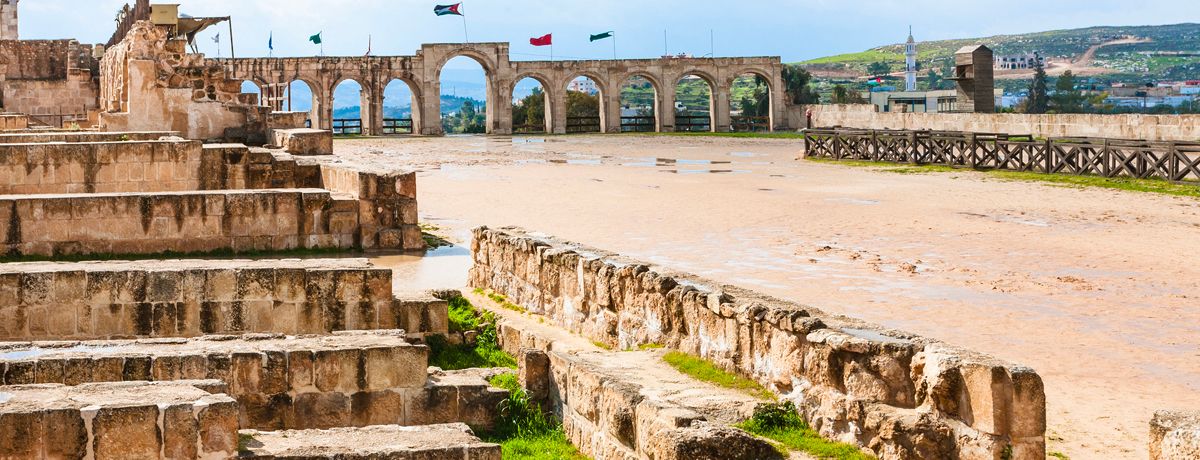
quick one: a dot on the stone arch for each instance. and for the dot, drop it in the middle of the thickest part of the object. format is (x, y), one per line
(487, 62)
(656, 107)
(744, 122)
(603, 92)
(490, 72)
(287, 102)
(415, 106)
(261, 86)
(549, 96)
(365, 105)
(691, 122)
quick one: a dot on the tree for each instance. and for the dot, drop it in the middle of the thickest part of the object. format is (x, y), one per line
(843, 95)
(582, 104)
(531, 111)
(1039, 101)
(1066, 98)
(879, 69)
(796, 85)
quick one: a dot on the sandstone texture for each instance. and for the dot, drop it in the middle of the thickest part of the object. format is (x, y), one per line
(899, 395)
(305, 141)
(118, 421)
(183, 298)
(1175, 435)
(431, 442)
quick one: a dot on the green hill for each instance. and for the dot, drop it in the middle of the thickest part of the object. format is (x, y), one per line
(1163, 52)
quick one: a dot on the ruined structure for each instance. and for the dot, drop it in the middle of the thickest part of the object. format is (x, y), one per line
(8, 20)
(973, 75)
(422, 74)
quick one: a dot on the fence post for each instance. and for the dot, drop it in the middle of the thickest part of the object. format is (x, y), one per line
(1173, 162)
(973, 158)
(1106, 160)
(1049, 156)
(837, 145)
(912, 147)
(875, 145)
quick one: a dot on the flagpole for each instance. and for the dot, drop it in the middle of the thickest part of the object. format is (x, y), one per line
(614, 37)
(466, 36)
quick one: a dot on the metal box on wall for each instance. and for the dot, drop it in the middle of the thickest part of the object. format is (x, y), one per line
(164, 14)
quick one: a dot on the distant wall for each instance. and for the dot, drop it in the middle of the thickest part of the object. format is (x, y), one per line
(47, 77)
(1133, 126)
(900, 395)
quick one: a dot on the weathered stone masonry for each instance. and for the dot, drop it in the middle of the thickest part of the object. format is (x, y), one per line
(899, 395)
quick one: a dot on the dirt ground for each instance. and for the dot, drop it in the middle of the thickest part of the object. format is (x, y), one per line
(1095, 289)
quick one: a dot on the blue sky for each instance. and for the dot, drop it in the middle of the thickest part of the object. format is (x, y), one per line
(793, 29)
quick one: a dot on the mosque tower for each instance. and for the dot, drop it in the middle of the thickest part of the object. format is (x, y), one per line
(910, 63)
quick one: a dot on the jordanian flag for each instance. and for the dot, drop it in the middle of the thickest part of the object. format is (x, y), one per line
(444, 10)
(602, 36)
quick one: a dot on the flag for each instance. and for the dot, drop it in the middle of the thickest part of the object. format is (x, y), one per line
(602, 36)
(368, 46)
(544, 40)
(217, 38)
(443, 10)
(271, 41)
(316, 39)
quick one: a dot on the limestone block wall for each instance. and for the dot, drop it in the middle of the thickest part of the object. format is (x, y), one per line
(87, 301)
(118, 421)
(37, 137)
(387, 205)
(75, 94)
(901, 396)
(1126, 126)
(1175, 435)
(188, 222)
(13, 121)
(349, 379)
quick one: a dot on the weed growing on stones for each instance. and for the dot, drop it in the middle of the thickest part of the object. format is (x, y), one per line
(523, 430)
(701, 369)
(782, 423)
(484, 353)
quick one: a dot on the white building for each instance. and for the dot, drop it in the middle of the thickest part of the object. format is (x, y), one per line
(910, 63)
(584, 85)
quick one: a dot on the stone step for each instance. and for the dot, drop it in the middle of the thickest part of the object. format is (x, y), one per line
(279, 381)
(383, 442)
(116, 421)
(34, 137)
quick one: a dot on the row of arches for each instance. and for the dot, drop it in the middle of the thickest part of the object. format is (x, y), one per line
(526, 97)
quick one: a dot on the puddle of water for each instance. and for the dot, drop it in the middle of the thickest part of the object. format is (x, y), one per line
(442, 268)
(4, 397)
(585, 162)
(706, 171)
(36, 352)
(528, 140)
(745, 154)
(703, 162)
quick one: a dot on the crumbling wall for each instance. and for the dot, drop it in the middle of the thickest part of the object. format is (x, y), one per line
(152, 83)
(48, 77)
(1124, 126)
(901, 396)
(388, 216)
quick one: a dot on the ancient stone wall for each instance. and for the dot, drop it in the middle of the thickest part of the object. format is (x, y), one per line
(899, 395)
(38, 137)
(8, 20)
(1175, 436)
(189, 222)
(47, 77)
(1129, 126)
(280, 382)
(125, 420)
(14, 121)
(388, 215)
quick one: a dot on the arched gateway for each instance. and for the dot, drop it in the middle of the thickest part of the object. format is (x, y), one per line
(422, 73)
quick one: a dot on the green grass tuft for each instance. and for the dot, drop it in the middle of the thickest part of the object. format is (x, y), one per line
(1058, 455)
(650, 346)
(701, 369)
(781, 423)
(602, 345)
(523, 429)
(485, 353)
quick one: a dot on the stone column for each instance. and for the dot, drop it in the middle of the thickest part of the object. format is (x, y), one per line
(499, 107)
(719, 108)
(373, 116)
(556, 112)
(779, 115)
(431, 110)
(323, 108)
(610, 116)
(666, 109)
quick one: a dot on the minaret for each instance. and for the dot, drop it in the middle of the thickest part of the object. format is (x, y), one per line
(910, 63)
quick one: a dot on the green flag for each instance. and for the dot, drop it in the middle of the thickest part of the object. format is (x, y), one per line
(602, 36)
(316, 39)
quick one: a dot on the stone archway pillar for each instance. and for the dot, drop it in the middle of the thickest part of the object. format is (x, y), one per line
(719, 110)
(779, 116)
(499, 106)
(372, 101)
(666, 109)
(323, 108)
(431, 110)
(557, 111)
(610, 107)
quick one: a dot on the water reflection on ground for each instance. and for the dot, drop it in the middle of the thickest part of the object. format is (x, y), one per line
(442, 268)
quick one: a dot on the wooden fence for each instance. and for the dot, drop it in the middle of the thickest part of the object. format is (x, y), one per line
(1167, 160)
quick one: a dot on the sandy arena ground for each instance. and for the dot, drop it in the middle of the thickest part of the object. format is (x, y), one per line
(1096, 289)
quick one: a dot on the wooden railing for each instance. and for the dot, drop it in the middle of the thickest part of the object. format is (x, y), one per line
(347, 126)
(638, 124)
(583, 125)
(693, 123)
(397, 126)
(1166, 160)
(750, 124)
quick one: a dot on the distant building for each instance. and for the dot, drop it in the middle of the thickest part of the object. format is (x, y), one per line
(584, 85)
(910, 63)
(1018, 61)
(8, 20)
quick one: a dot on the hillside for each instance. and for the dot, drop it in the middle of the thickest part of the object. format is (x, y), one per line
(1132, 52)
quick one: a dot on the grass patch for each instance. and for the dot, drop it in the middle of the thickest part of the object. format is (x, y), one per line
(701, 369)
(502, 301)
(523, 430)
(756, 135)
(432, 239)
(215, 254)
(602, 345)
(244, 441)
(781, 423)
(484, 353)
(1158, 186)
(1058, 455)
(650, 346)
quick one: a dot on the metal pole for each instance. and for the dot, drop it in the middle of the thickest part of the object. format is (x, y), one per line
(232, 54)
(463, 13)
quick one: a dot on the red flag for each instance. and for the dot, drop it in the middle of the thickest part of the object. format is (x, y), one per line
(544, 40)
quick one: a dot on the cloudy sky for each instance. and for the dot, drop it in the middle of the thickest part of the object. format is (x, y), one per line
(793, 29)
